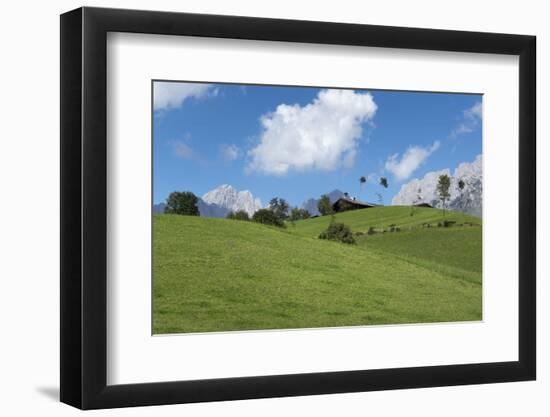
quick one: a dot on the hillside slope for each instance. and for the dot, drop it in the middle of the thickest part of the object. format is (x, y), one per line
(455, 247)
(378, 217)
(221, 275)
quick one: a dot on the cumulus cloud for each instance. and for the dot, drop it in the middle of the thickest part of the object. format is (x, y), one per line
(171, 95)
(471, 118)
(322, 135)
(229, 152)
(402, 168)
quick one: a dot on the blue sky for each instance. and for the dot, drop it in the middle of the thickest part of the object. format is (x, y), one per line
(300, 142)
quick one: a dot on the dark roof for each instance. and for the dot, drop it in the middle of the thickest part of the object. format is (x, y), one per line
(355, 202)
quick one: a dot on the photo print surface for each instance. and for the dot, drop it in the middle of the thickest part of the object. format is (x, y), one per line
(283, 207)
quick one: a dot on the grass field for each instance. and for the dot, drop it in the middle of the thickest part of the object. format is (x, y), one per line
(382, 217)
(221, 275)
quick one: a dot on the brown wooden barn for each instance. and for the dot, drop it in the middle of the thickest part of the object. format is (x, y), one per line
(348, 203)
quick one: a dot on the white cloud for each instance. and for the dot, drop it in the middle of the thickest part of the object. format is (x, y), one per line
(471, 118)
(475, 112)
(183, 150)
(322, 135)
(413, 157)
(229, 152)
(171, 95)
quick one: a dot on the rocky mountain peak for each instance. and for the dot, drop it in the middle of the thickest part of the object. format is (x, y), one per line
(468, 200)
(229, 198)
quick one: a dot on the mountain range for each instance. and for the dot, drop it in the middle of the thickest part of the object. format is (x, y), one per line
(220, 201)
(468, 200)
(225, 198)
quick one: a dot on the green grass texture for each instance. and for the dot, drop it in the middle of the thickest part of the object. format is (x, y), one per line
(218, 275)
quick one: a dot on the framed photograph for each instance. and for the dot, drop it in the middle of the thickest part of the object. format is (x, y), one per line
(257, 208)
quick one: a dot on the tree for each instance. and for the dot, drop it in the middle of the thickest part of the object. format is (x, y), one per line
(461, 185)
(325, 206)
(417, 200)
(362, 180)
(298, 214)
(280, 207)
(184, 202)
(384, 183)
(443, 186)
(238, 215)
(266, 216)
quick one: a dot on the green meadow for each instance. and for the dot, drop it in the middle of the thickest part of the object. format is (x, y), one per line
(224, 275)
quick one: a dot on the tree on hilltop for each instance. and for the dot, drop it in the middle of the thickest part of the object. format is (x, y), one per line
(238, 215)
(279, 207)
(266, 216)
(443, 185)
(362, 180)
(325, 206)
(299, 214)
(182, 202)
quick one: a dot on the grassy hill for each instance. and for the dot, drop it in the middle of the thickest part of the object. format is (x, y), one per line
(221, 275)
(454, 251)
(455, 247)
(382, 217)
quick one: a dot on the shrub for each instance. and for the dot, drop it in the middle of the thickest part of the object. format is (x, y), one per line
(338, 232)
(446, 223)
(265, 216)
(393, 228)
(238, 215)
(371, 231)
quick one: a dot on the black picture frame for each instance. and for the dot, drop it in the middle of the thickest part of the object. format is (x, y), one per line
(84, 207)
